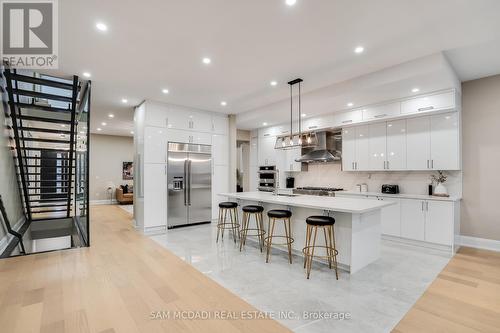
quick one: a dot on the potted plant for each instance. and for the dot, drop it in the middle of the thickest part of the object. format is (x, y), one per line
(439, 180)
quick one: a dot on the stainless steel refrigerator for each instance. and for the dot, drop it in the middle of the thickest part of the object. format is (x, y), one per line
(189, 184)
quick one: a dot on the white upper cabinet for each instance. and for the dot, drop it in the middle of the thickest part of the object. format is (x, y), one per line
(267, 154)
(347, 118)
(348, 149)
(220, 125)
(316, 123)
(290, 156)
(187, 119)
(445, 152)
(396, 145)
(155, 143)
(434, 102)
(362, 148)
(381, 111)
(418, 141)
(377, 142)
(155, 114)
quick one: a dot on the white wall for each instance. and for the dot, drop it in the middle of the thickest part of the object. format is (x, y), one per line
(481, 158)
(107, 153)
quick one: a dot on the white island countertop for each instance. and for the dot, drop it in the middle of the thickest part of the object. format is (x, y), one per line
(400, 196)
(334, 204)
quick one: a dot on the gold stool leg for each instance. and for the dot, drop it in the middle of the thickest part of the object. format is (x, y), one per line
(288, 232)
(259, 230)
(306, 252)
(332, 240)
(263, 231)
(243, 227)
(237, 222)
(219, 221)
(312, 252)
(270, 239)
(328, 246)
(233, 224)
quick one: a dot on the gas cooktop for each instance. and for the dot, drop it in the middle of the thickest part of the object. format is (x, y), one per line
(321, 191)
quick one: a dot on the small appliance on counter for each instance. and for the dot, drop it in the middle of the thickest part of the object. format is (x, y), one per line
(390, 189)
(290, 182)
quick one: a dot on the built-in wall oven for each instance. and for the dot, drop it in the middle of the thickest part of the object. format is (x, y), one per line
(267, 178)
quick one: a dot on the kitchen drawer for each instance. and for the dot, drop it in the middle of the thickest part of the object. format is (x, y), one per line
(429, 103)
(347, 118)
(381, 111)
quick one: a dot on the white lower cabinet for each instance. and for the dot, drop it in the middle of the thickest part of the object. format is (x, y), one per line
(155, 143)
(438, 228)
(220, 184)
(413, 219)
(391, 218)
(155, 195)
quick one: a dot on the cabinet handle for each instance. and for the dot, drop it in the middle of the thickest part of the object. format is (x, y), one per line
(426, 108)
(422, 205)
(347, 121)
(356, 165)
(432, 164)
(313, 127)
(387, 165)
(427, 206)
(267, 134)
(428, 164)
(381, 115)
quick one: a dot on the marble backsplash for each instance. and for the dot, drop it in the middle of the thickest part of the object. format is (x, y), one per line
(410, 182)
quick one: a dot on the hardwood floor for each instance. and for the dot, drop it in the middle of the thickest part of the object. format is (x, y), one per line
(465, 297)
(114, 286)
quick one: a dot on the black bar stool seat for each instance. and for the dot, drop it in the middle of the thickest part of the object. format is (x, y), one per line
(225, 208)
(313, 223)
(320, 220)
(253, 209)
(228, 204)
(281, 215)
(248, 212)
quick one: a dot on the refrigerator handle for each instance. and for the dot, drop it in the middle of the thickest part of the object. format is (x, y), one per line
(185, 183)
(189, 184)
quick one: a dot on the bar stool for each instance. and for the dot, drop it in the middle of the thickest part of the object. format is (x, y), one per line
(327, 224)
(222, 224)
(281, 215)
(256, 211)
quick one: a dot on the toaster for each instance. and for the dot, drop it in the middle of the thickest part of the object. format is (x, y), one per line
(390, 189)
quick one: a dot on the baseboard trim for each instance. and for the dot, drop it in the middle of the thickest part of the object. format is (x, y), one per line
(480, 243)
(103, 202)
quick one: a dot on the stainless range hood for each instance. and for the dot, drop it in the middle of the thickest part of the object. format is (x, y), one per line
(329, 149)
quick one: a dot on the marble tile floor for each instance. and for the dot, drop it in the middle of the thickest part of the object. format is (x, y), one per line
(375, 298)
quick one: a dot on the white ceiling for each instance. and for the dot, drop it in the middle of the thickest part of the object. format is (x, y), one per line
(157, 44)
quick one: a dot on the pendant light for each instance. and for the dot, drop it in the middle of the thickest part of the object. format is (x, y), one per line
(297, 139)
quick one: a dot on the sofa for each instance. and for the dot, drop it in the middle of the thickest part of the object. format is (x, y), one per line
(124, 196)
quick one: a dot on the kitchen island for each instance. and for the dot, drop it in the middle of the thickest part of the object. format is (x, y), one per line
(357, 222)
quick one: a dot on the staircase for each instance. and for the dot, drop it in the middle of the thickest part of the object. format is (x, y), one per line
(45, 113)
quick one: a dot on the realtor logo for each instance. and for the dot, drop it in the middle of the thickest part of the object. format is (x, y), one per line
(29, 33)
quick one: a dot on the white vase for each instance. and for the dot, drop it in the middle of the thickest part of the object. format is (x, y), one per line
(440, 189)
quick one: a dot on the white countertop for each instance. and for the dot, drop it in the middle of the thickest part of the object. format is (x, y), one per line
(345, 205)
(402, 196)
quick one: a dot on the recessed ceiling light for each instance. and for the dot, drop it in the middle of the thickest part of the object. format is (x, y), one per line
(131, 132)
(274, 83)
(350, 104)
(291, 2)
(62, 125)
(206, 61)
(165, 91)
(223, 103)
(111, 115)
(99, 129)
(264, 124)
(304, 115)
(86, 74)
(101, 26)
(103, 124)
(124, 100)
(415, 90)
(359, 49)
